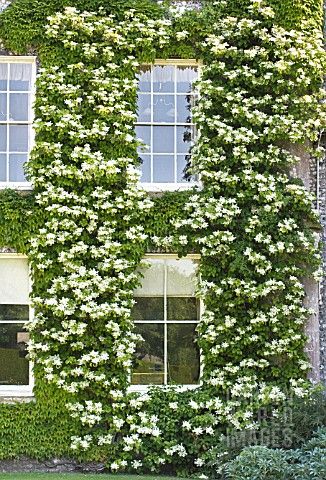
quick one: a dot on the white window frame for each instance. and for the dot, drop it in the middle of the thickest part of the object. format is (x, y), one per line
(181, 387)
(21, 59)
(171, 186)
(19, 390)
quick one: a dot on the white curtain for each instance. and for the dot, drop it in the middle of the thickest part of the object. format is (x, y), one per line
(14, 281)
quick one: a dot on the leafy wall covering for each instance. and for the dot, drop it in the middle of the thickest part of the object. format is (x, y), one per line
(89, 223)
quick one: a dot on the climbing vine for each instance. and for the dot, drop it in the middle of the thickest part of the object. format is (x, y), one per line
(251, 222)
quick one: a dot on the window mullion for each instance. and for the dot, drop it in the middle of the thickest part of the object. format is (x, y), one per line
(152, 120)
(8, 126)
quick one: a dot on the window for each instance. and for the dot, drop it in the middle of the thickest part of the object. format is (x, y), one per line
(15, 370)
(164, 123)
(166, 314)
(16, 96)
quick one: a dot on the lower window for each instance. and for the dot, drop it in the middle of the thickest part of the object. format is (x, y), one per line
(15, 372)
(166, 314)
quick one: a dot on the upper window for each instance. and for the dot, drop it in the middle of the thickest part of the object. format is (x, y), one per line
(16, 92)
(15, 374)
(166, 314)
(164, 124)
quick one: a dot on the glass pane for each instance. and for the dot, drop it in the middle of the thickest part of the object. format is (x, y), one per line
(3, 107)
(163, 139)
(185, 77)
(184, 104)
(149, 357)
(20, 77)
(164, 108)
(182, 165)
(143, 134)
(19, 107)
(16, 167)
(3, 167)
(14, 367)
(163, 168)
(3, 76)
(148, 308)
(18, 138)
(144, 79)
(183, 354)
(183, 308)
(152, 283)
(14, 284)
(14, 312)
(184, 137)
(163, 78)
(145, 169)
(181, 275)
(144, 108)
(3, 138)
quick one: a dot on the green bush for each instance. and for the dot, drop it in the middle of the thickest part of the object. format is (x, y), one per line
(309, 462)
(256, 463)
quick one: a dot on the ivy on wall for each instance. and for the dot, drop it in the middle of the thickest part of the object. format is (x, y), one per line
(250, 222)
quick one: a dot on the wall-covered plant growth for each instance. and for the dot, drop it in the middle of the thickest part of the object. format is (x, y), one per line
(89, 223)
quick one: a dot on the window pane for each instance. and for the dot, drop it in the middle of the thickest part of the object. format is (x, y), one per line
(181, 277)
(148, 308)
(19, 107)
(184, 104)
(20, 77)
(184, 137)
(3, 167)
(183, 308)
(3, 107)
(183, 354)
(3, 138)
(163, 78)
(16, 167)
(14, 285)
(182, 165)
(149, 357)
(163, 139)
(145, 169)
(164, 108)
(3, 76)
(143, 134)
(18, 138)
(14, 312)
(14, 367)
(152, 283)
(144, 108)
(163, 168)
(145, 79)
(185, 77)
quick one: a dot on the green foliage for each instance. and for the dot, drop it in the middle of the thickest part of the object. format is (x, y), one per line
(19, 219)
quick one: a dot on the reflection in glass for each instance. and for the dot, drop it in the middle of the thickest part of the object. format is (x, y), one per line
(18, 138)
(14, 366)
(145, 168)
(16, 167)
(163, 139)
(149, 356)
(184, 138)
(144, 108)
(163, 78)
(186, 75)
(163, 168)
(3, 76)
(181, 277)
(143, 133)
(164, 108)
(148, 308)
(145, 79)
(152, 283)
(20, 77)
(183, 308)
(183, 354)
(3, 107)
(14, 312)
(3, 167)
(182, 164)
(19, 107)
(184, 109)
(3, 138)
